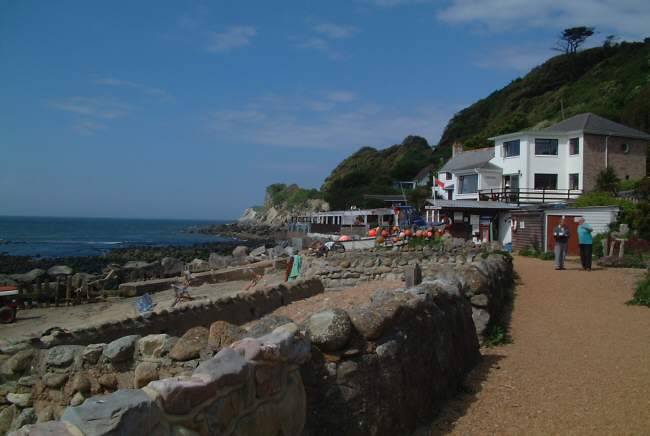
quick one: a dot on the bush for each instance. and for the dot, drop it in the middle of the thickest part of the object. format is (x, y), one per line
(598, 246)
(642, 293)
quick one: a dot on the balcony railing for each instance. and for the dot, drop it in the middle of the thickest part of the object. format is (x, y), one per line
(529, 196)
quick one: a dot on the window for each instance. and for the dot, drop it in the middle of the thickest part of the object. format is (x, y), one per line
(545, 181)
(574, 146)
(448, 176)
(511, 148)
(468, 184)
(574, 181)
(625, 148)
(545, 147)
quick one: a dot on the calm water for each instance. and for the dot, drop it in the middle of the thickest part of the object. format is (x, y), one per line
(53, 237)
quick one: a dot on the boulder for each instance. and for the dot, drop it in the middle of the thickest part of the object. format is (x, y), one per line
(121, 412)
(93, 352)
(80, 383)
(240, 251)
(154, 347)
(198, 265)
(266, 325)
(171, 266)
(27, 416)
(121, 349)
(108, 381)
(20, 400)
(144, 373)
(54, 380)
(77, 399)
(28, 277)
(18, 363)
(259, 251)
(62, 355)
(60, 270)
(216, 261)
(368, 322)
(189, 345)
(7, 416)
(223, 333)
(329, 329)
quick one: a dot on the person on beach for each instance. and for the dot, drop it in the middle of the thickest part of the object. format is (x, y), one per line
(584, 237)
(561, 235)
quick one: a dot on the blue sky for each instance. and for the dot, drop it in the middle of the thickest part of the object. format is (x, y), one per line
(175, 109)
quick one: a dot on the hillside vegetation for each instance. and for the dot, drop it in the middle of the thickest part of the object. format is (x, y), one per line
(611, 81)
(372, 171)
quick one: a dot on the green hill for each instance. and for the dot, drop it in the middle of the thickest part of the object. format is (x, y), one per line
(372, 171)
(612, 81)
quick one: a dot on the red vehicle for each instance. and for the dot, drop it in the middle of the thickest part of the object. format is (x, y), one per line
(8, 305)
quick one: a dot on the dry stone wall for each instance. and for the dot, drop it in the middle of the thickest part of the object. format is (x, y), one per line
(455, 264)
(379, 369)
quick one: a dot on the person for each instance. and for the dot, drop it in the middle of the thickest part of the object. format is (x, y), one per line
(584, 237)
(561, 235)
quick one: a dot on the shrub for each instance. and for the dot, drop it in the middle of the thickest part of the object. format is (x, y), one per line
(642, 293)
(598, 246)
(547, 255)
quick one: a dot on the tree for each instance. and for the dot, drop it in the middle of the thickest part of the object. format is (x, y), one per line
(607, 181)
(572, 38)
(610, 41)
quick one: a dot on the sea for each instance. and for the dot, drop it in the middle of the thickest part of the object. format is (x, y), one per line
(57, 237)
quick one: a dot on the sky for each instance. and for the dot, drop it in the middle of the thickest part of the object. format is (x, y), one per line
(189, 109)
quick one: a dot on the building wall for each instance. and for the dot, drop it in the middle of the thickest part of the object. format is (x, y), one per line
(530, 230)
(631, 165)
(527, 164)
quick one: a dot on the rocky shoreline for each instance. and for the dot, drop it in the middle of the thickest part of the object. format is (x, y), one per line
(246, 230)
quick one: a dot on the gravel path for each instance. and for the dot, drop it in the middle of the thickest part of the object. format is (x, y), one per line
(578, 363)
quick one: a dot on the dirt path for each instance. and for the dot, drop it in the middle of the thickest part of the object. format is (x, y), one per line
(579, 361)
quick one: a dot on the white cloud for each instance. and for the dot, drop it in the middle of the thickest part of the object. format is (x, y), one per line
(316, 43)
(273, 122)
(336, 31)
(234, 37)
(155, 92)
(104, 108)
(627, 17)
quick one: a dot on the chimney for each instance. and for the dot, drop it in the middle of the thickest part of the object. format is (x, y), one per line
(456, 148)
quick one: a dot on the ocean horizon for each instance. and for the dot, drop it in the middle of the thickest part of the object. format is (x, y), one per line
(39, 236)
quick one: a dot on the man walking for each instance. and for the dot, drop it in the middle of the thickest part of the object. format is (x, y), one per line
(561, 235)
(584, 237)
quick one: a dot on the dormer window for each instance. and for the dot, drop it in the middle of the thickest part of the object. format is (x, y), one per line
(511, 148)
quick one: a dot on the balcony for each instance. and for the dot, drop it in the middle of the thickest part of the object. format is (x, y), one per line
(529, 196)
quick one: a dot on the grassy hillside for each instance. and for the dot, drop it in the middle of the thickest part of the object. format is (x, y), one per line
(613, 82)
(371, 171)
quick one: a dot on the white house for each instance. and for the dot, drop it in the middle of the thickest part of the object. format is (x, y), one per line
(553, 165)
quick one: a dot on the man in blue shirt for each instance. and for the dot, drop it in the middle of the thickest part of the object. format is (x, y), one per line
(584, 237)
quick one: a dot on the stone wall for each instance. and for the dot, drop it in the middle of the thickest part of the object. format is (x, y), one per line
(383, 368)
(454, 262)
(379, 369)
(252, 387)
(242, 308)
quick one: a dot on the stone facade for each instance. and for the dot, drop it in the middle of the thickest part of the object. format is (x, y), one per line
(631, 164)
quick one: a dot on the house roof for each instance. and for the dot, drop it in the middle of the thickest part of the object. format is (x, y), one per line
(469, 159)
(592, 123)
